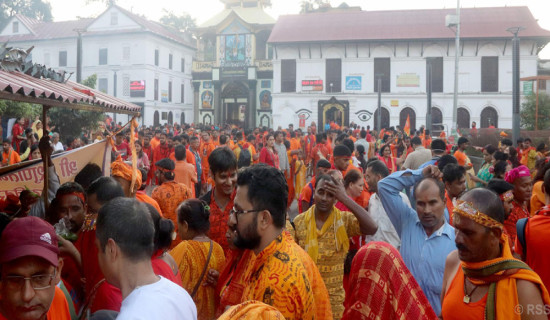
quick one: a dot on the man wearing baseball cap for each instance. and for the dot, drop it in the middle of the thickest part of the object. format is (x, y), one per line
(30, 270)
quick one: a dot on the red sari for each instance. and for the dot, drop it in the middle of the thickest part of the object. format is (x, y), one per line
(381, 287)
(389, 162)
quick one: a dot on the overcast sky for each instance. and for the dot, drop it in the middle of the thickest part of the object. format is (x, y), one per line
(202, 10)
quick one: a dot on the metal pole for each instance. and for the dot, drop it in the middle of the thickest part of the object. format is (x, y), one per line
(379, 120)
(429, 98)
(537, 107)
(46, 162)
(79, 57)
(114, 90)
(515, 88)
(455, 94)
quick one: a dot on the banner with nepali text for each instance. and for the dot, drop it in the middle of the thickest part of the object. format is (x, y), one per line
(67, 166)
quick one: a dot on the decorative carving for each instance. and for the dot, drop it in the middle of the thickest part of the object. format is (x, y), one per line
(13, 59)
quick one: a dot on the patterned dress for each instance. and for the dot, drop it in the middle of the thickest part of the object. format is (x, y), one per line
(330, 262)
(191, 257)
(484, 175)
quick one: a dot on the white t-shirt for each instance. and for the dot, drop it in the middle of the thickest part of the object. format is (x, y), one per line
(58, 146)
(161, 300)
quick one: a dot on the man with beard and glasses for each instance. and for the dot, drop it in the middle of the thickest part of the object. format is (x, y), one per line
(324, 232)
(222, 164)
(482, 279)
(280, 274)
(426, 237)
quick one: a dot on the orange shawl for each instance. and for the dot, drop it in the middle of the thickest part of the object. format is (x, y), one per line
(504, 270)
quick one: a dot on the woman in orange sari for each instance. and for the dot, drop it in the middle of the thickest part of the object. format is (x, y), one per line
(197, 255)
(381, 287)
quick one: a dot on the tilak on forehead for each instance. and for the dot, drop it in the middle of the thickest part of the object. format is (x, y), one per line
(466, 209)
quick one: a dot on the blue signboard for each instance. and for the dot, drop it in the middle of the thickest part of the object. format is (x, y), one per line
(353, 82)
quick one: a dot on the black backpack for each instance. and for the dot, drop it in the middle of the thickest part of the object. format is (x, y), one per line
(245, 158)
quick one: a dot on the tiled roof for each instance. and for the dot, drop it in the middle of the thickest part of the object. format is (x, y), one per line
(18, 86)
(66, 29)
(405, 25)
(47, 30)
(255, 15)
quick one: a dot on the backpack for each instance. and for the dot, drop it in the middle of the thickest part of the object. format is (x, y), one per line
(521, 225)
(245, 158)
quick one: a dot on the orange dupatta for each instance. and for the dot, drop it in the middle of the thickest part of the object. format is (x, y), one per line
(504, 270)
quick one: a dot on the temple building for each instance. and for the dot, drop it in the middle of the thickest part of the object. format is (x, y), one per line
(328, 66)
(232, 70)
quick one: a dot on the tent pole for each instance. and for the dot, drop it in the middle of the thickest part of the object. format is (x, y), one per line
(46, 159)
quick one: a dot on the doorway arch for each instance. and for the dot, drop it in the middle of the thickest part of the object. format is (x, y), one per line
(489, 116)
(385, 121)
(156, 120)
(407, 111)
(463, 118)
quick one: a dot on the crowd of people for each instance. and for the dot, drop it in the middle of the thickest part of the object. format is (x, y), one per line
(389, 225)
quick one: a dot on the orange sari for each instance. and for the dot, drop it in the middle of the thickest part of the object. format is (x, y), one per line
(191, 257)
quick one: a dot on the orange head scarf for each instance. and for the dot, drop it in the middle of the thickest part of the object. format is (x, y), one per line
(253, 310)
(121, 169)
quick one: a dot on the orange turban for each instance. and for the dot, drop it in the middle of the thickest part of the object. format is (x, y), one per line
(254, 310)
(121, 169)
(503, 134)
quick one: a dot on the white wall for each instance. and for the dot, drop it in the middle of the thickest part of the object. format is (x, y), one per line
(358, 60)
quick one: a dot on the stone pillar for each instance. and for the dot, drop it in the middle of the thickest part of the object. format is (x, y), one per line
(250, 121)
(196, 101)
(217, 103)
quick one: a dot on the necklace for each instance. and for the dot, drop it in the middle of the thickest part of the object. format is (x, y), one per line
(467, 296)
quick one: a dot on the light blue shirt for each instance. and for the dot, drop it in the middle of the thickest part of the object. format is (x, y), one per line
(424, 256)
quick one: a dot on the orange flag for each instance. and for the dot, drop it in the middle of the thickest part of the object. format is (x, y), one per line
(407, 128)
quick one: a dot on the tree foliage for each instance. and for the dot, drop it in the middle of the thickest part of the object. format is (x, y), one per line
(182, 23)
(528, 108)
(313, 5)
(72, 122)
(12, 109)
(36, 9)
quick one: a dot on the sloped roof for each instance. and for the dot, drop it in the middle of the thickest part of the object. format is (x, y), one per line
(405, 25)
(254, 15)
(47, 30)
(18, 86)
(158, 28)
(66, 29)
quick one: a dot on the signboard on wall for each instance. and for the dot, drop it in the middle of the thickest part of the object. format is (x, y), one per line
(353, 82)
(137, 88)
(394, 103)
(164, 96)
(312, 85)
(408, 80)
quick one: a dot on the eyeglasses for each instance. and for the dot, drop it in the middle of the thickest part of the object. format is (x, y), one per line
(239, 212)
(38, 282)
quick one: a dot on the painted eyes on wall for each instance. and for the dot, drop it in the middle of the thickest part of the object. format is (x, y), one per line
(305, 113)
(364, 115)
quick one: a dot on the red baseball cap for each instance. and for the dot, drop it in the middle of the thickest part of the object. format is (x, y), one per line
(29, 236)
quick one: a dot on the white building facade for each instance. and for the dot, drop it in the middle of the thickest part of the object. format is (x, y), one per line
(134, 59)
(330, 72)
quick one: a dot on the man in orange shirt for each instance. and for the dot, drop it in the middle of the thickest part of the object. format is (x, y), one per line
(223, 171)
(28, 251)
(185, 172)
(169, 194)
(206, 148)
(305, 200)
(454, 177)
(156, 139)
(533, 245)
(321, 150)
(9, 156)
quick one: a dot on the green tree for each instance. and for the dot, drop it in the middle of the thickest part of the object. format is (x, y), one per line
(182, 23)
(528, 108)
(36, 9)
(313, 5)
(72, 122)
